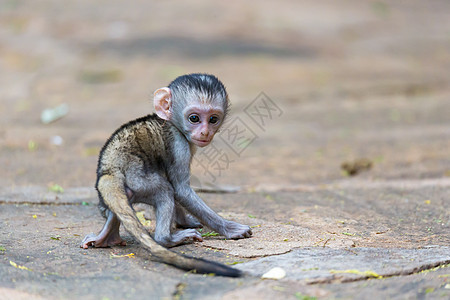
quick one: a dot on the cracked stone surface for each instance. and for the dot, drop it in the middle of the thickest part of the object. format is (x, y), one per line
(269, 238)
(353, 81)
(317, 265)
(44, 239)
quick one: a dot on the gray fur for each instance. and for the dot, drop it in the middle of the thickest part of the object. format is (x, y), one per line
(148, 161)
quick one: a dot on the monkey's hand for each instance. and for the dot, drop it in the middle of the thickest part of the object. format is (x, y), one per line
(180, 237)
(236, 231)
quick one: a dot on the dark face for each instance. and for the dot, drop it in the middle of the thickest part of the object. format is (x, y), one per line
(201, 122)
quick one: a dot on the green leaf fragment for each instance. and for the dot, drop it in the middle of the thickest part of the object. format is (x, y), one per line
(300, 296)
(348, 233)
(56, 188)
(32, 145)
(19, 266)
(357, 272)
(234, 263)
(212, 233)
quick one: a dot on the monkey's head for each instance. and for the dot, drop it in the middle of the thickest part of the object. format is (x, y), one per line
(196, 104)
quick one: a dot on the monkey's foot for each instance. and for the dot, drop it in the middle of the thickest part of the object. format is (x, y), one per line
(102, 241)
(236, 231)
(181, 237)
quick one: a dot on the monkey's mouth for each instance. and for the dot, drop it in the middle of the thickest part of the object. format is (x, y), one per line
(201, 143)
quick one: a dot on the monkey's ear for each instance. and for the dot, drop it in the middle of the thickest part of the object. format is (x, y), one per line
(163, 103)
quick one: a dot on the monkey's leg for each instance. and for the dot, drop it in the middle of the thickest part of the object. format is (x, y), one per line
(184, 219)
(114, 195)
(165, 210)
(108, 236)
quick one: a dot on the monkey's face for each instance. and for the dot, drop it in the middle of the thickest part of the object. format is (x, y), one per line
(196, 104)
(201, 123)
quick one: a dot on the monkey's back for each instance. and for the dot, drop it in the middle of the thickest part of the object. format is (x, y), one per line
(143, 142)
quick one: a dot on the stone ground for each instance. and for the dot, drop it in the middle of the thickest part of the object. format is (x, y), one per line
(345, 180)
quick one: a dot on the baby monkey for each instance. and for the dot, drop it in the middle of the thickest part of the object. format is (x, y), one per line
(148, 161)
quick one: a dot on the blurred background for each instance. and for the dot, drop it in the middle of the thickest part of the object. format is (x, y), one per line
(362, 88)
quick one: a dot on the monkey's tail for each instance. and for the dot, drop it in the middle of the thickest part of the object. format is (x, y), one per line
(113, 193)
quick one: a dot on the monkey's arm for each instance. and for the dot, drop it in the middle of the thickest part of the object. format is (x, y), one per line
(186, 196)
(179, 175)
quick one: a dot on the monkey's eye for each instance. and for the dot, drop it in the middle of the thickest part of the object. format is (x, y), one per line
(213, 119)
(194, 119)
